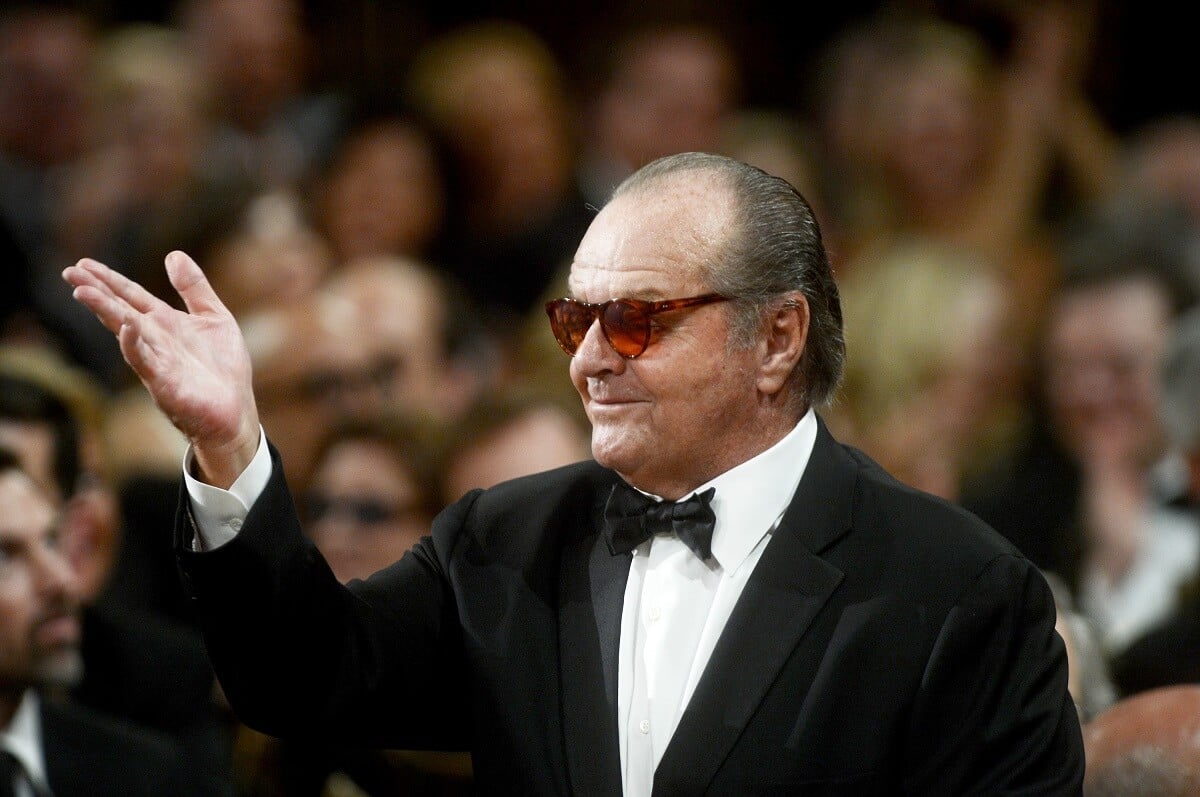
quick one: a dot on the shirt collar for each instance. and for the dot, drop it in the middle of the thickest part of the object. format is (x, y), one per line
(752, 497)
(23, 737)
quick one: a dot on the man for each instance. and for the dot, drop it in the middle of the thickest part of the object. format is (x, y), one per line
(44, 743)
(839, 633)
(138, 665)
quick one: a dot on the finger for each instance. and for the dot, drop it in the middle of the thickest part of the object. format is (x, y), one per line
(135, 349)
(112, 311)
(193, 287)
(121, 286)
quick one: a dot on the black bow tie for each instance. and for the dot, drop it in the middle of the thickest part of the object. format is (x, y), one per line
(631, 518)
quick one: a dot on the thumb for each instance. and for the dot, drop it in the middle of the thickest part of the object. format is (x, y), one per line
(191, 284)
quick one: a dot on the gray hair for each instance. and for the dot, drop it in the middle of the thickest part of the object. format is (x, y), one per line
(774, 246)
(1181, 382)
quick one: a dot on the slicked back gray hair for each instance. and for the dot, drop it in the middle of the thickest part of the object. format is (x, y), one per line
(774, 246)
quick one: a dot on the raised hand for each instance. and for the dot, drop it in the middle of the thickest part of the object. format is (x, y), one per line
(194, 363)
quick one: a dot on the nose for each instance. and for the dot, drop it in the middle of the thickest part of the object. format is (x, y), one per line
(596, 355)
(55, 575)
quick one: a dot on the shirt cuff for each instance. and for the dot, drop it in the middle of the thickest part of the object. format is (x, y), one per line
(219, 513)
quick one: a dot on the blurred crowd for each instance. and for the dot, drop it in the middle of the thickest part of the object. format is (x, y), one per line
(1020, 281)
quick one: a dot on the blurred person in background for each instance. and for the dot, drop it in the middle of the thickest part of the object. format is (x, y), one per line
(373, 492)
(1170, 654)
(508, 433)
(313, 366)
(930, 394)
(48, 742)
(424, 338)
(383, 190)
(139, 664)
(271, 123)
(1089, 492)
(961, 140)
(497, 95)
(268, 256)
(46, 51)
(654, 89)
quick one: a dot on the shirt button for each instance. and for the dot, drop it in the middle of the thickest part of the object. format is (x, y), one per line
(644, 726)
(235, 524)
(655, 613)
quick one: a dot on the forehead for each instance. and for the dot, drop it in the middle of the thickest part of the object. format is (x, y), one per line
(1131, 309)
(655, 242)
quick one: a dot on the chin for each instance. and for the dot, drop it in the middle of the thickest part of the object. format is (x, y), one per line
(62, 668)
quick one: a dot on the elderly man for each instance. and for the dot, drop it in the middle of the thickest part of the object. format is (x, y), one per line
(838, 633)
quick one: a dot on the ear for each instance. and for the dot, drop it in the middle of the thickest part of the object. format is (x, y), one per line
(783, 343)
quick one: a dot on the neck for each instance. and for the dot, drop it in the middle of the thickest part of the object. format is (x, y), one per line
(674, 486)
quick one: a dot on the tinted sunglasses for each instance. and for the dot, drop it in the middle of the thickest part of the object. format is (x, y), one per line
(360, 511)
(625, 322)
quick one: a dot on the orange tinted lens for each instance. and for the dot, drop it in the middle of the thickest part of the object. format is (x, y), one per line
(626, 324)
(570, 322)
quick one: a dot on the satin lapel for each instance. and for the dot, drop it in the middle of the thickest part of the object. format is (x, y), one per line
(591, 595)
(789, 586)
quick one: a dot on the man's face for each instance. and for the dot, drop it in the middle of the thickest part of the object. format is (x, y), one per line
(683, 411)
(39, 626)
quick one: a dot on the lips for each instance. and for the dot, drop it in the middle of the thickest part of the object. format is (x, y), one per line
(59, 630)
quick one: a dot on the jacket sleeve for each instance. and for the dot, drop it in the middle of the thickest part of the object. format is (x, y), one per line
(993, 715)
(376, 662)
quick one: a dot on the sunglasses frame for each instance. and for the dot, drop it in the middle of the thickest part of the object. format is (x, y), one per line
(632, 342)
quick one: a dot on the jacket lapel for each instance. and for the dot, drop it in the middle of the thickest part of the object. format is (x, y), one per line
(591, 596)
(789, 586)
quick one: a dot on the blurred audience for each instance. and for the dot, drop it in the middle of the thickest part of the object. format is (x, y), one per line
(271, 122)
(511, 433)
(269, 257)
(656, 89)
(372, 494)
(384, 189)
(48, 742)
(959, 140)
(1170, 653)
(1089, 678)
(137, 665)
(498, 96)
(1089, 494)
(312, 367)
(928, 393)
(424, 340)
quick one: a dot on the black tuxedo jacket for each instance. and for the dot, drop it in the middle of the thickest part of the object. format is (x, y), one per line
(90, 755)
(887, 643)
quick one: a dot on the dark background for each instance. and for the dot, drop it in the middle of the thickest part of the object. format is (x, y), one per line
(1144, 64)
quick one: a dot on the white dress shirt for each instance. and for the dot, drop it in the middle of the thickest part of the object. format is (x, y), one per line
(23, 738)
(1150, 588)
(676, 605)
